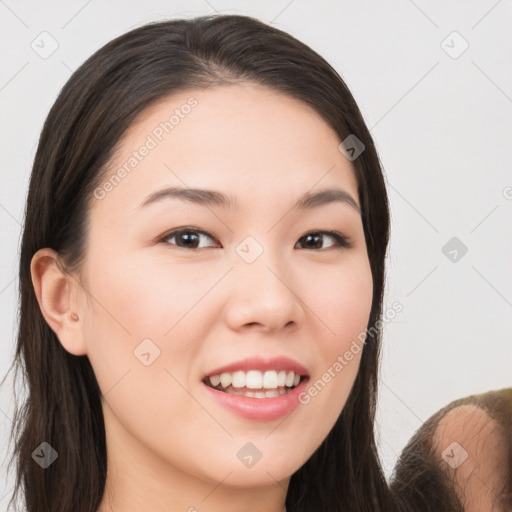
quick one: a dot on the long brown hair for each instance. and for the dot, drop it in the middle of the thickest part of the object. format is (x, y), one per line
(88, 119)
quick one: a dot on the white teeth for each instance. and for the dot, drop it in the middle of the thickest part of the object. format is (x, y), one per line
(255, 379)
(238, 380)
(225, 379)
(270, 379)
(281, 378)
(215, 380)
(259, 394)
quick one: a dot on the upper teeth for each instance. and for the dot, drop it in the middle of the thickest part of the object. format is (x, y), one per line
(254, 379)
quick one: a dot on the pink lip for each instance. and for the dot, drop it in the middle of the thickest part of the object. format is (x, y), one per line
(260, 409)
(261, 363)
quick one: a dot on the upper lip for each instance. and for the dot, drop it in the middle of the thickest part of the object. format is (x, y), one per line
(261, 363)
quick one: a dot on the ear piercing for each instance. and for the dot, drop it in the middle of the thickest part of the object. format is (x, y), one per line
(74, 316)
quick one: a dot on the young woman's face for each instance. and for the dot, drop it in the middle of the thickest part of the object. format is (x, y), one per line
(243, 281)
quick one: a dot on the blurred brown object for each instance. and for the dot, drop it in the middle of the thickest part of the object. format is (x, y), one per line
(460, 459)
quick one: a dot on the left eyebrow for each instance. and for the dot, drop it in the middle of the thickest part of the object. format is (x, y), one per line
(205, 197)
(326, 196)
(198, 196)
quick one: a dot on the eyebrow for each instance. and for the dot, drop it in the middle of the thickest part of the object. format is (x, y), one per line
(205, 197)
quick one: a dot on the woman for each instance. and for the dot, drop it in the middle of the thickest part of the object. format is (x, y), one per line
(122, 339)
(201, 281)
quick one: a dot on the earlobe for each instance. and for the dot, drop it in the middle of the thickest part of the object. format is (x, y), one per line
(56, 294)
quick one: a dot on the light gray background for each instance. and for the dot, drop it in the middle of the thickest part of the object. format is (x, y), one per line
(443, 128)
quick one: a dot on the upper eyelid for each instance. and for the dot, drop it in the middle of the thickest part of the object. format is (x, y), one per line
(187, 230)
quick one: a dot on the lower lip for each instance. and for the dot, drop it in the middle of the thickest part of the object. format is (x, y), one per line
(259, 409)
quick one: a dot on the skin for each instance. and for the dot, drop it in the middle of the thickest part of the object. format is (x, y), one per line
(170, 446)
(479, 477)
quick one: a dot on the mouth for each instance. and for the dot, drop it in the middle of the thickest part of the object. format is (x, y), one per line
(256, 383)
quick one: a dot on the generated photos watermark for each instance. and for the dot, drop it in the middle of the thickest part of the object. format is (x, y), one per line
(152, 140)
(344, 359)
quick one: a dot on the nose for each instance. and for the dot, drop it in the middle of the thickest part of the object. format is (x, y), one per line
(263, 296)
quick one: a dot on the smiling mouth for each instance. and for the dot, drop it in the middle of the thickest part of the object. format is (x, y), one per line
(255, 384)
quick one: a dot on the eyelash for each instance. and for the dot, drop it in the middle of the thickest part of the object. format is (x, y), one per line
(342, 241)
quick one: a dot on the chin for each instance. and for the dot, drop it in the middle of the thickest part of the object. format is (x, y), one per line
(256, 477)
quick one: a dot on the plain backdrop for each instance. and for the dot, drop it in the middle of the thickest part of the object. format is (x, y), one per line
(434, 83)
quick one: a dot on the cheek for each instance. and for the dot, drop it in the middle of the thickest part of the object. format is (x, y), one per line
(133, 303)
(132, 308)
(342, 301)
(147, 300)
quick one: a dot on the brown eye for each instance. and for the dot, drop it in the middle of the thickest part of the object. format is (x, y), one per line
(314, 240)
(186, 238)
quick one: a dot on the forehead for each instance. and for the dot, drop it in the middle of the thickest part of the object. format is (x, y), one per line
(248, 140)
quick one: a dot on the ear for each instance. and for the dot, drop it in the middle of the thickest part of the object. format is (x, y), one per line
(58, 298)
